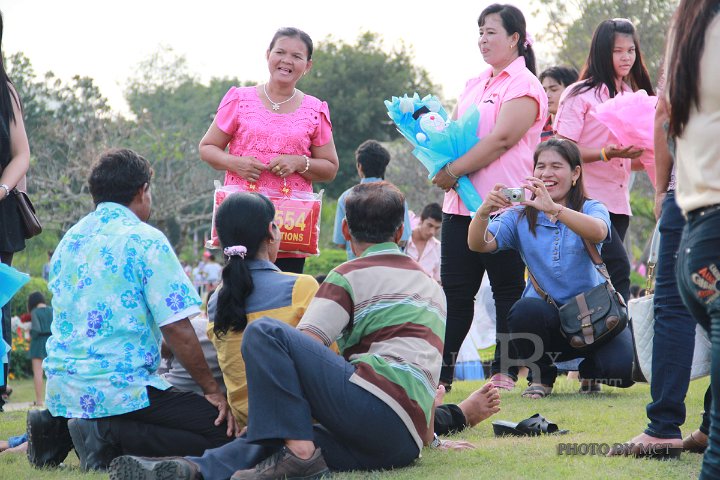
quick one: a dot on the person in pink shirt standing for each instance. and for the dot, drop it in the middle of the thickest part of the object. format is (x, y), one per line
(513, 109)
(278, 136)
(613, 67)
(422, 245)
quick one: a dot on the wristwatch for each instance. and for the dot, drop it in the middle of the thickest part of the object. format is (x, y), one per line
(436, 441)
(7, 190)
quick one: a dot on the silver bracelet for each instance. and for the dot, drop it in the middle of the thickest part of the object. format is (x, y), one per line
(447, 169)
(307, 164)
(7, 190)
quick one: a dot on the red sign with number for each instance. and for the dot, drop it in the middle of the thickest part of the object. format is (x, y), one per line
(297, 216)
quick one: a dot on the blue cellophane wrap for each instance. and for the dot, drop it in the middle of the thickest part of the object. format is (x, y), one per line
(11, 281)
(436, 148)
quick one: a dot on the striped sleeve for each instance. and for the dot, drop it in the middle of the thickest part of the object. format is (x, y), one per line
(331, 310)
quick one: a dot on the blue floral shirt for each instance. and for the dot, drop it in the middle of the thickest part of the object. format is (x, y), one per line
(115, 281)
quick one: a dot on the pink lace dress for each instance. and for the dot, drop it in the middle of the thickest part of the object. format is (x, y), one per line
(263, 134)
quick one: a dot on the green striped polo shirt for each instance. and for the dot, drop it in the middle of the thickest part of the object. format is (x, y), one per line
(388, 318)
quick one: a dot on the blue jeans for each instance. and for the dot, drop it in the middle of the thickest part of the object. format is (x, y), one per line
(293, 379)
(674, 339)
(17, 440)
(698, 275)
(538, 343)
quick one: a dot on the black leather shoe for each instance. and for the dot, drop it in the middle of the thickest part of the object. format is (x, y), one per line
(93, 443)
(49, 440)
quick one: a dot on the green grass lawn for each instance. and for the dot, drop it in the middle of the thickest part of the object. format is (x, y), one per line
(613, 416)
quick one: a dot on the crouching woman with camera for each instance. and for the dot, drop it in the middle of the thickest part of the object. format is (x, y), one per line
(549, 231)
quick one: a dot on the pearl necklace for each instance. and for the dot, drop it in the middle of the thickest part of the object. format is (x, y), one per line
(276, 105)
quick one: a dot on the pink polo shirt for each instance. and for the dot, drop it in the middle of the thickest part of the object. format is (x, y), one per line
(604, 181)
(489, 93)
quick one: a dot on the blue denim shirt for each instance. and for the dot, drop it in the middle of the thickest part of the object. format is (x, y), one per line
(338, 238)
(556, 256)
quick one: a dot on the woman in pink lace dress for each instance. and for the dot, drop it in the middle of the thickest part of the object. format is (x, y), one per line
(277, 136)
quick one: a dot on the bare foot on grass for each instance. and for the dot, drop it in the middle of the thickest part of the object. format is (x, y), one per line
(439, 396)
(481, 404)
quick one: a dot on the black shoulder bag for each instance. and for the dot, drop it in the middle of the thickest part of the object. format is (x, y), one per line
(592, 318)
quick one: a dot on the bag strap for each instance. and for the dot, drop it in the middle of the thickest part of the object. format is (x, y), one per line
(653, 258)
(543, 294)
(584, 315)
(597, 260)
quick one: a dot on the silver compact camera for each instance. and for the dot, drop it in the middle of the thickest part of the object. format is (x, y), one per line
(514, 194)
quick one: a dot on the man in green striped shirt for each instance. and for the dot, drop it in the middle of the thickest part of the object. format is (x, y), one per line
(311, 410)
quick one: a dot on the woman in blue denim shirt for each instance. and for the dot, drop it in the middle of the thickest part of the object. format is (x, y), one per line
(548, 232)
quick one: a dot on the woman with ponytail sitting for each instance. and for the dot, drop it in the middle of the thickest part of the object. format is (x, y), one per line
(252, 287)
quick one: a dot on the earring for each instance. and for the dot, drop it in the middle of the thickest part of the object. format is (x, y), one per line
(574, 182)
(511, 46)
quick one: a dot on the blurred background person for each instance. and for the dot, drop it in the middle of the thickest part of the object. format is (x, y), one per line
(554, 81)
(371, 162)
(42, 317)
(423, 246)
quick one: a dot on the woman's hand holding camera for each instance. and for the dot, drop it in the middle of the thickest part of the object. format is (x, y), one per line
(495, 200)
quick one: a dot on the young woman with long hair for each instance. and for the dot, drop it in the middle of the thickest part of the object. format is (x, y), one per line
(613, 67)
(14, 164)
(252, 287)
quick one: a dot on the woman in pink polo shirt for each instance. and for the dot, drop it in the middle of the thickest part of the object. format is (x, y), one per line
(613, 67)
(513, 108)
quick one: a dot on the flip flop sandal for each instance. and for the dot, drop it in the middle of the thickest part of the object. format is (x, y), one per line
(655, 451)
(537, 390)
(502, 382)
(530, 427)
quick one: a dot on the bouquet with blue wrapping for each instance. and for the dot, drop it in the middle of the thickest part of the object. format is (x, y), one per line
(437, 140)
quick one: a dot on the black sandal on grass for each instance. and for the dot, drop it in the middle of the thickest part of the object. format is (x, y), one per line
(530, 427)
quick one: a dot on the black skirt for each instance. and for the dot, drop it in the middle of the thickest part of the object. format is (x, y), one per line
(12, 236)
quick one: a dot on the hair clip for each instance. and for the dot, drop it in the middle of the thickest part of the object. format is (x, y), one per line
(235, 251)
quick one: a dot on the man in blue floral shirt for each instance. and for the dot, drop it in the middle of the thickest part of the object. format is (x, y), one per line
(118, 289)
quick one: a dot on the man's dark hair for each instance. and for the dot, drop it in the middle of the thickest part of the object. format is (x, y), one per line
(565, 76)
(117, 176)
(374, 211)
(373, 158)
(432, 210)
